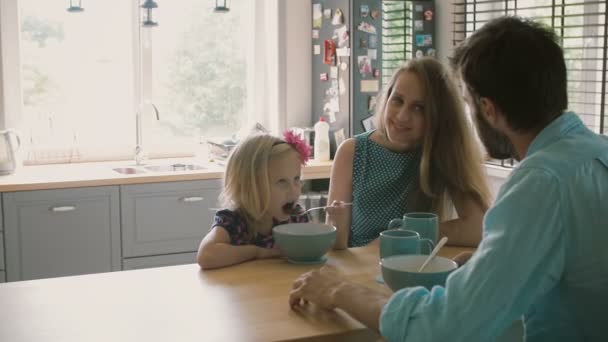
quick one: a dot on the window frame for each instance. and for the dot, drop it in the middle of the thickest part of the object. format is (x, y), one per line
(461, 29)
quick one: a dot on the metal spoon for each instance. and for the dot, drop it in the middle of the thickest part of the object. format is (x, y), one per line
(315, 208)
(433, 253)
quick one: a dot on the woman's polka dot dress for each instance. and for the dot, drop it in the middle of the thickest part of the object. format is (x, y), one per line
(382, 181)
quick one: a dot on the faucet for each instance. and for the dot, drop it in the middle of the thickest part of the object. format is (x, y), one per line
(139, 150)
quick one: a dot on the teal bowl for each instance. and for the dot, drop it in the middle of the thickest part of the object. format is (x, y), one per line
(304, 242)
(401, 271)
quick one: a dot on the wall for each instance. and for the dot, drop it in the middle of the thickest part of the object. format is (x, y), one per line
(443, 12)
(296, 25)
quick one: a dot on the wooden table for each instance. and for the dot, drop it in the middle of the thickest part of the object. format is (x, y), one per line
(247, 302)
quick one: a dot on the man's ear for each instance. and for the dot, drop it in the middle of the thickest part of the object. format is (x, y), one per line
(489, 111)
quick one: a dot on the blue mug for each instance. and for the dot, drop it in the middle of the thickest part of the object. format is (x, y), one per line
(426, 224)
(399, 241)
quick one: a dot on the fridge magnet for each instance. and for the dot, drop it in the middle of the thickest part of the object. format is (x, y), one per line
(419, 54)
(373, 42)
(364, 11)
(315, 34)
(366, 27)
(341, 34)
(369, 86)
(338, 18)
(363, 43)
(371, 104)
(332, 117)
(323, 76)
(317, 15)
(330, 108)
(418, 25)
(424, 40)
(365, 66)
(317, 49)
(333, 72)
(326, 107)
(343, 52)
(332, 91)
(428, 15)
(431, 52)
(339, 136)
(376, 73)
(369, 124)
(327, 13)
(371, 53)
(375, 14)
(418, 8)
(330, 52)
(343, 66)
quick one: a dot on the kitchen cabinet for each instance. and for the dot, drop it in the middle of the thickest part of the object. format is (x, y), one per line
(166, 221)
(159, 261)
(51, 233)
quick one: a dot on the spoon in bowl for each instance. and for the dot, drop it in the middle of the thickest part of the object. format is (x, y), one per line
(433, 252)
(316, 208)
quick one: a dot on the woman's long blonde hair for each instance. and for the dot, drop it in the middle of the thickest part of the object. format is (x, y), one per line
(246, 181)
(451, 156)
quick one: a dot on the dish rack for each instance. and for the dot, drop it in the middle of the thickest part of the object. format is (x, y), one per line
(219, 150)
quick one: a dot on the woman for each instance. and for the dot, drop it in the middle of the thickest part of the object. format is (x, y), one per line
(422, 157)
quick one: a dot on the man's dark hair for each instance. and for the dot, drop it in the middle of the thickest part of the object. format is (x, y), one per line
(519, 65)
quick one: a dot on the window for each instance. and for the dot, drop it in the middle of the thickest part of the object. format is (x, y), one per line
(396, 35)
(582, 28)
(83, 76)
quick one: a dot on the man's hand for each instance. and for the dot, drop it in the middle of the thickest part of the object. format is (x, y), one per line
(318, 287)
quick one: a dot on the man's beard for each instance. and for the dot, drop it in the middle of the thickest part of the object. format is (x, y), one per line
(497, 144)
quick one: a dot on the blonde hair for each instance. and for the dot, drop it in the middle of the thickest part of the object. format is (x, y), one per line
(246, 180)
(451, 157)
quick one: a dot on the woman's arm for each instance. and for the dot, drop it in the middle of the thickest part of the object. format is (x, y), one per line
(341, 189)
(215, 251)
(466, 230)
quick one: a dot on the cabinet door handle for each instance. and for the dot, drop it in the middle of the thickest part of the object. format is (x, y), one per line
(63, 208)
(191, 199)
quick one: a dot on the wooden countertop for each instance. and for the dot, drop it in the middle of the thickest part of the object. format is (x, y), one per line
(247, 302)
(58, 176)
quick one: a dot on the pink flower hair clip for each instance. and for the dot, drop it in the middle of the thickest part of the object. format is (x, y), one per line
(299, 144)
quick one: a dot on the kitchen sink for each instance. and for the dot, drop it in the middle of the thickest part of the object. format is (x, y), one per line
(158, 168)
(128, 170)
(174, 167)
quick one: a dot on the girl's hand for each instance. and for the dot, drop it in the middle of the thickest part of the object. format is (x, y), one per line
(266, 253)
(336, 210)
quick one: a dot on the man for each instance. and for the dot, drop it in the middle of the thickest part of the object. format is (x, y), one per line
(543, 251)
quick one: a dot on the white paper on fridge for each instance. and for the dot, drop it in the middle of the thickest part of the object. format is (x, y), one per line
(333, 72)
(372, 54)
(339, 136)
(317, 49)
(343, 52)
(369, 86)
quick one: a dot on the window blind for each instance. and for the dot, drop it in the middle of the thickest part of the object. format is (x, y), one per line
(582, 28)
(396, 35)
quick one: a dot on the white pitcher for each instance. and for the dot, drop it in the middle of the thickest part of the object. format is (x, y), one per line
(7, 151)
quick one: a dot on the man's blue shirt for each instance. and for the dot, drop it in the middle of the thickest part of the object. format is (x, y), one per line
(543, 254)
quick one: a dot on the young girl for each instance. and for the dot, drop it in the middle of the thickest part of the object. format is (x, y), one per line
(261, 187)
